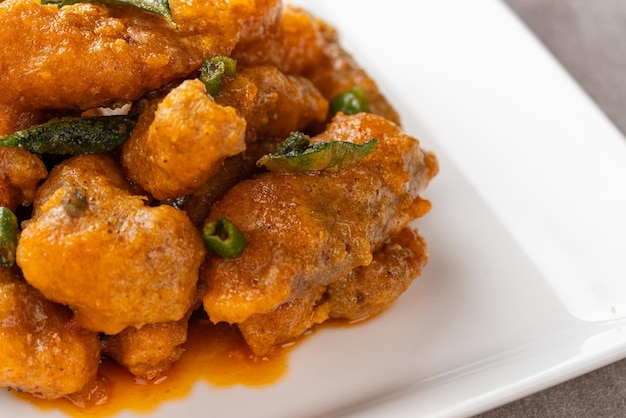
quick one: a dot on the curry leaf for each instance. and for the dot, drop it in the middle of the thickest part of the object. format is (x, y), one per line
(296, 155)
(90, 135)
(158, 7)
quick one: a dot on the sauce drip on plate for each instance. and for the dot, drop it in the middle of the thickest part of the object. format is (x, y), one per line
(214, 354)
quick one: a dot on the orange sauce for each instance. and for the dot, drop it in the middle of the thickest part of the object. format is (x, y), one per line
(214, 354)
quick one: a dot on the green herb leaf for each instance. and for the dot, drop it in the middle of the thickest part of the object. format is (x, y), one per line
(296, 143)
(158, 7)
(223, 238)
(8, 237)
(296, 155)
(92, 135)
(214, 70)
(350, 103)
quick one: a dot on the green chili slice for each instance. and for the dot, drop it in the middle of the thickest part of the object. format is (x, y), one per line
(8, 237)
(214, 70)
(296, 155)
(158, 7)
(350, 102)
(91, 135)
(222, 237)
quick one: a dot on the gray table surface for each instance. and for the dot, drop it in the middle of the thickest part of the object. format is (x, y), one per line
(589, 38)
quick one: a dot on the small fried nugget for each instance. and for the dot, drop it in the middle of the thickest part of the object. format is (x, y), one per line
(286, 323)
(149, 351)
(272, 103)
(181, 141)
(362, 293)
(43, 351)
(20, 174)
(307, 46)
(97, 248)
(294, 47)
(369, 290)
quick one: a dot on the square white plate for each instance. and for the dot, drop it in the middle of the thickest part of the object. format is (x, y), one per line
(526, 286)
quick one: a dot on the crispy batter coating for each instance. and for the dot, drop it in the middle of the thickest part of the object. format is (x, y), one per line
(149, 351)
(20, 175)
(369, 290)
(272, 103)
(307, 46)
(94, 246)
(181, 141)
(305, 230)
(13, 119)
(235, 169)
(89, 55)
(286, 323)
(294, 47)
(42, 350)
(362, 293)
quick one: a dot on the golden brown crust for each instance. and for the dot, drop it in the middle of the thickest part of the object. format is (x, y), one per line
(306, 229)
(294, 47)
(20, 175)
(286, 323)
(362, 293)
(369, 290)
(181, 141)
(42, 350)
(89, 55)
(149, 351)
(143, 261)
(307, 46)
(272, 103)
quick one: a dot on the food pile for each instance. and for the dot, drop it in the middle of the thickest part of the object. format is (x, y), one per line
(219, 156)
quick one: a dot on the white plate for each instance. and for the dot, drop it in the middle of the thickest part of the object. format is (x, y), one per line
(526, 285)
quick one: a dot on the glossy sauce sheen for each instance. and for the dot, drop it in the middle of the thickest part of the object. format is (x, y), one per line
(215, 355)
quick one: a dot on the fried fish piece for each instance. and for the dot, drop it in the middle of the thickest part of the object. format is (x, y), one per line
(295, 46)
(307, 46)
(369, 290)
(43, 351)
(306, 230)
(149, 351)
(85, 55)
(235, 169)
(94, 246)
(181, 141)
(362, 293)
(20, 174)
(272, 103)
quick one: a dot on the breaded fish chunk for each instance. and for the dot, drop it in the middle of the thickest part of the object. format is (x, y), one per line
(20, 174)
(90, 55)
(294, 47)
(272, 103)
(307, 46)
(149, 351)
(43, 351)
(364, 292)
(181, 141)
(306, 230)
(94, 246)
